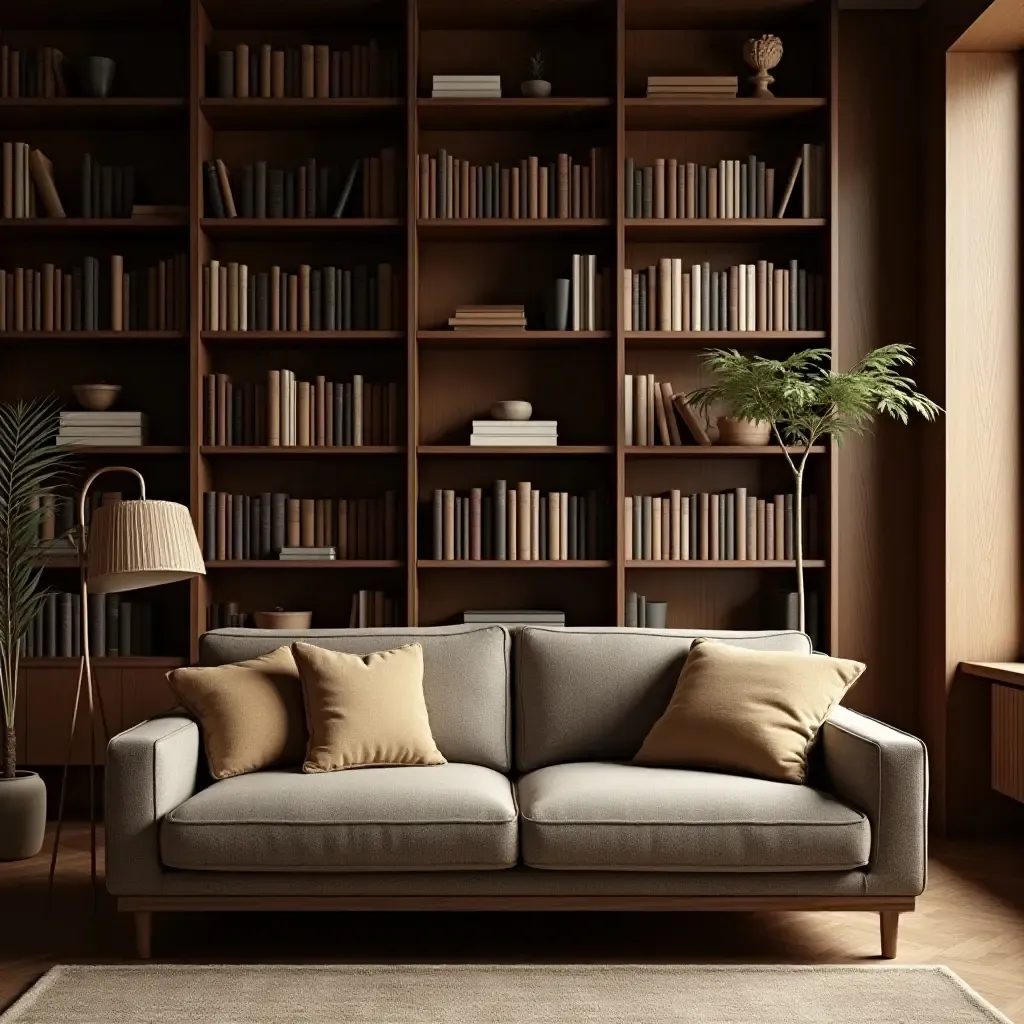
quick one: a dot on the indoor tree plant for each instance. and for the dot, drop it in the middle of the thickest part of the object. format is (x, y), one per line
(31, 466)
(805, 401)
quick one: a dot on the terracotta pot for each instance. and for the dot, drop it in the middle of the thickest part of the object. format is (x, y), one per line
(743, 432)
(283, 620)
(22, 816)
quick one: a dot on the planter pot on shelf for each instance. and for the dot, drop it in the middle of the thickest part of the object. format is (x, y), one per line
(96, 76)
(743, 432)
(22, 816)
(536, 88)
(283, 620)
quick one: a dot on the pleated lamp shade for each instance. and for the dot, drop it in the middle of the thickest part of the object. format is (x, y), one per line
(135, 544)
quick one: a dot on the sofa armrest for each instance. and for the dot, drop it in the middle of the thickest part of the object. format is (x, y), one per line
(884, 773)
(151, 769)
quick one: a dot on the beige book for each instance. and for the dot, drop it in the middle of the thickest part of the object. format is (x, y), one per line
(761, 517)
(523, 518)
(222, 275)
(659, 405)
(769, 531)
(563, 525)
(116, 293)
(659, 189)
(627, 528)
(786, 312)
(627, 299)
(695, 273)
(554, 527)
(735, 188)
(703, 538)
(687, 322)
(675, 550)
(714, 189)
(730, 188)
(266, 70)
(274, 408)
(675, 437)
(448, 525)
(233, 296)
(532, 193)
(41, 170)
(740, 517)
(762, 295)
(779, 503)
(293, 523)
(672, 189)
(656, 529)
(241, 71)
(691, 190)
(665, 294)
(640, 411)
(714, 547)
(535, 500)
(751, 297)
(307, 529)
(751, 529)
(677, 294)
(651, 410)
(225, 186)
(512, 533)
(742, 298)
(685, 554)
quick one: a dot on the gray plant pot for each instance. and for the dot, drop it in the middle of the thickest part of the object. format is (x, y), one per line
(22, 816)
(536, 88)
(96, 76)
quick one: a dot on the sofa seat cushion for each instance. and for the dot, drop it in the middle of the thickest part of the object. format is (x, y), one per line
(603, 816)
(449, 817)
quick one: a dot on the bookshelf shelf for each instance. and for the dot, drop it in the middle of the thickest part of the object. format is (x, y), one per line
(79, 113)
(707, 229)
(476, 451)
(92, 225)
(335, 563)
(154, 662)
(295, 227)
(283, 339)
(511, 339)
(643, 114)
(511, 112)
(714, 451)
(86, 338)
(293, 113)
(323, 451)
(598, 563)
(809, 563)
(712, 339)
(482, 229)
(145, 450)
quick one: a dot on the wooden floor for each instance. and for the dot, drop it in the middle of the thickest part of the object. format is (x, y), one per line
(971, 919)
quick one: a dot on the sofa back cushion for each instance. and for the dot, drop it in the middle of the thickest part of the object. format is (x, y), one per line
(592, 694)
(465, 677)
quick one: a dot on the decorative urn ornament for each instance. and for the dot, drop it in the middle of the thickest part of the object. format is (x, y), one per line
(762, 55)
(536, 87)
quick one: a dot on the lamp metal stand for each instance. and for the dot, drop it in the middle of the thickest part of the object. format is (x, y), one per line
(92, 693)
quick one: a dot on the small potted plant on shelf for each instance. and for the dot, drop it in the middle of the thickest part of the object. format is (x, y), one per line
(31, 467)
(536, 86)
(806, 401)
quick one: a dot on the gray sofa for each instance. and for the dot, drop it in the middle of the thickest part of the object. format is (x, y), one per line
(538, 807)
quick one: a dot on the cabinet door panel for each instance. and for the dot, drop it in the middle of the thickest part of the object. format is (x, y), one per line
(51, 700)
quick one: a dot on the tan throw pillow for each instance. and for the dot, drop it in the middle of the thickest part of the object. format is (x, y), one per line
(365, 710)
(250, 713)
(750, 712)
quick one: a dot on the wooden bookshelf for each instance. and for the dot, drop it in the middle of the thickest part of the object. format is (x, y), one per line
(163, 119)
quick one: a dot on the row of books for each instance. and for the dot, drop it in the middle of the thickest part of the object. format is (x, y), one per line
(77, 299)
(260, 526)
(103, 428)
(309, 299)
(676, 189)
(312, 71)
(650, 408)
(513, 617)
(369, 608)
(514, 433)
(287, 412)
(32, 74)
(26, 183)
(564, 188)
(643, 613)
(515, 522)
(117, 628)
(761, 296)
(309, 190)
(588, 295)
(726, 527)
(466, 86)
(57, 527)
(693, 86)
(227, 615)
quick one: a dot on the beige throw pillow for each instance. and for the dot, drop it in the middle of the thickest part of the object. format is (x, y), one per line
(250, 713)
(365, 710)
(750, 712)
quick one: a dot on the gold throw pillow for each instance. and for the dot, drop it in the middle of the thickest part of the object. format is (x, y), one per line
(365, 710)
(250, 713)
(744, 711)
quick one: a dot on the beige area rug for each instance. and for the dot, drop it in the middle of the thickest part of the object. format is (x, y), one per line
(459, 994)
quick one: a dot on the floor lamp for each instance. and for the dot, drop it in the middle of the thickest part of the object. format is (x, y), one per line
(128, 545)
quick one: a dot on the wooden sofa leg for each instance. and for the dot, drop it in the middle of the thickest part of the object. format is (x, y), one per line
(144, 934)
(889, 923)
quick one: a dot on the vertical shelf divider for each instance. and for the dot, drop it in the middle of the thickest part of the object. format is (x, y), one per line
(618, 312)
(412, 387)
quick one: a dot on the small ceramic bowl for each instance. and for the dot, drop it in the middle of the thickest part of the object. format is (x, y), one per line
(743, 432)
(96, 397)
(282, 620)
(512, 410)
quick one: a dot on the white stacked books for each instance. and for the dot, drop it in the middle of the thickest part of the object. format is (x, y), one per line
(514, 617)
(501, 433)
(294, 554)
(102, 429)
(467, 86)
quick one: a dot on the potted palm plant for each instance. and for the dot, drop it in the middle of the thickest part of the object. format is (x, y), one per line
(805, 401)
(31, 466)
(536, 86)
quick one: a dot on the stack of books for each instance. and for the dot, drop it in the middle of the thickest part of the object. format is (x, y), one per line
(693, 86)
(372, 608)
(117, 628)
(300, 554)
(514, 617)
(492, 318)
(466, 87)
(103, 428)
(501, 433)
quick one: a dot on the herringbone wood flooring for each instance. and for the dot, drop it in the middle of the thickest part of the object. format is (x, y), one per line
(971, 918)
